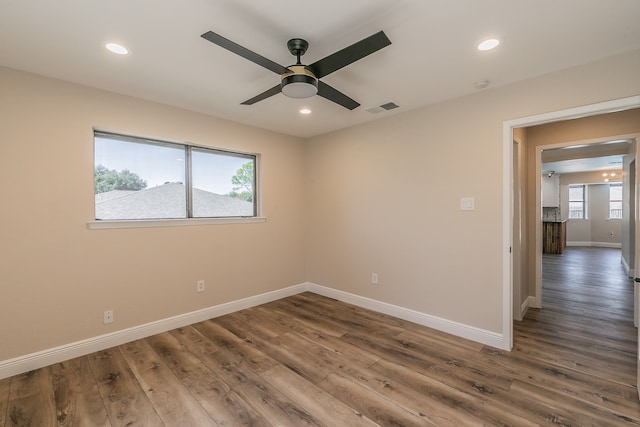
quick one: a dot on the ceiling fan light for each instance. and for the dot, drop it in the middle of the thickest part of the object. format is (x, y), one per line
(299, 86)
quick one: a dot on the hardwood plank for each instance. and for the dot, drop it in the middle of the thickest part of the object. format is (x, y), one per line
(319, 403)
(222, 404)
(313, 356)
(125, 402)
(315, 362)
(375, 407)
(341, 318)
(595, 363)
(476, 375)
(288, 323)
(307, 320)
(389, 350)
(173, 402)
(198, 344)
(234, 350)
(264, 329)
(445, 402)
(509, 405)
(31, 401)
(570, 411)
(133, 410)
(5, 383)
(76, 394)
(241, 375)
(574, 383)
(266, 401)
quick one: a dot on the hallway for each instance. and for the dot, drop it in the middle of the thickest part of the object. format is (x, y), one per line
(584, 333)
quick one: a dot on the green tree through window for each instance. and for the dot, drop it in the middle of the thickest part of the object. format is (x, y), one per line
(110, 179)
(243, 182)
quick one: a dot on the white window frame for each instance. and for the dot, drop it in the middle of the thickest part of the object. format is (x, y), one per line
(583, 201)
(614, 184)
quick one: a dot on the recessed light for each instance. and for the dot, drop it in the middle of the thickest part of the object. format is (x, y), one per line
(488, 44)
(481, 84)
(117, 48)
(305, 111)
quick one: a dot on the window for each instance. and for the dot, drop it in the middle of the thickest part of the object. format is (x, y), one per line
(577, 202)
(615, 201)
(138, 178)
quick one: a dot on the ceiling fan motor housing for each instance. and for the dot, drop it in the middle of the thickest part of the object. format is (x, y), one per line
(299, 83)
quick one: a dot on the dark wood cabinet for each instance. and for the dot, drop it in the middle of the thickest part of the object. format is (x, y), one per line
(554, 237)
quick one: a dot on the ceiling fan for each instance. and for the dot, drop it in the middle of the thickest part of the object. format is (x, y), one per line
(302, 81)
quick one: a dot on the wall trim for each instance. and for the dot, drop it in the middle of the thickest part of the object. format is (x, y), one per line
(528, 302)
(636, 312)
(64, 352)
(596, 244)
(482, 336)
(630, 271)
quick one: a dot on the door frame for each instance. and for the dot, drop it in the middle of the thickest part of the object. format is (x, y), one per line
(508, 192)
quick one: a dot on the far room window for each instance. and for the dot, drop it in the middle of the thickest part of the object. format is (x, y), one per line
(136, 178)
(577, 202)
(615, 201)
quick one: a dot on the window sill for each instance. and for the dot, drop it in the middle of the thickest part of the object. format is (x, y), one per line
(146, 223)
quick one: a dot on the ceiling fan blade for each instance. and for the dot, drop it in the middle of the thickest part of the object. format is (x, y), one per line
(349, 54)
(328, 92)
(264, 95)
(244, 52)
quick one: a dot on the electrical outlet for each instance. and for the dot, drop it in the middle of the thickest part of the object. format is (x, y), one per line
(200, 285)
(108, 317)
(374, 278)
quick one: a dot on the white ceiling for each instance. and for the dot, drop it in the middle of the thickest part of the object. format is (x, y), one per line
(432, 58)
(605, 155)
(605, 163)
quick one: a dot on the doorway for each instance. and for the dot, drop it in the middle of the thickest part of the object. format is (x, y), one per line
(578, 166)
(534, 260)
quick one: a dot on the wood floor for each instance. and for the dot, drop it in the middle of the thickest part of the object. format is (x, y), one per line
(310, 360)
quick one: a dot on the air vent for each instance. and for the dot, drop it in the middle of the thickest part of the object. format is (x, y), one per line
(389, 106)
(384, 107)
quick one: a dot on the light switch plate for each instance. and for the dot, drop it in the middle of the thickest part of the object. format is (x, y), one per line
(467, 204)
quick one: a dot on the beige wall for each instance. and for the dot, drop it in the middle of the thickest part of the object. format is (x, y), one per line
(384, 197)
(57, 277)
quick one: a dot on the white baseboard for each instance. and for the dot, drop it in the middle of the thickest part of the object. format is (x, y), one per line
(465, 331)
(596, 244)
(50, 356)
(636, 309)
(630, 271)
(528, 302)
(61, 353)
